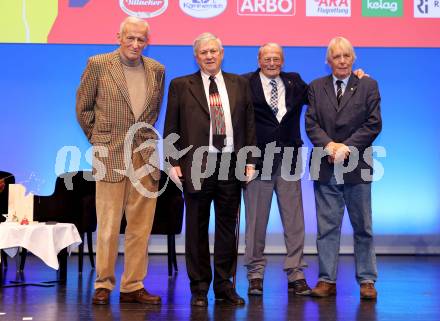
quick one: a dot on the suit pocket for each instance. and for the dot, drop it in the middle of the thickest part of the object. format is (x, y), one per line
(103, 127)
(102, 133)
(100, 138)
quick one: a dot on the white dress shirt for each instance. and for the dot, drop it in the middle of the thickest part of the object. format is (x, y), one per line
(343, 85)
(229, 148)
(267, 88)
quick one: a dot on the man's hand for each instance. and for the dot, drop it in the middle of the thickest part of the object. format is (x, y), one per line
(250, 173)
(337, 152)
(341, 154)
(175, 173)
(360, 73)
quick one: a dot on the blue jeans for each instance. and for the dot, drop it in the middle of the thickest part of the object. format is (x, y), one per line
(331, 200)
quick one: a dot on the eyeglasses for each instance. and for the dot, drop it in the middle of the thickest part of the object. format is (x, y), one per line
(275, 60)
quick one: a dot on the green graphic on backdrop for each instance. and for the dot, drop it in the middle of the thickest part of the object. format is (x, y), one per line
(382, 8)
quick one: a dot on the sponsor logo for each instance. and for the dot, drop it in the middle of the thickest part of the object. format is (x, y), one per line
(203, 8)
(143, 8)
(427, 8)
(328, 8)
(266, 7)
(382, 8)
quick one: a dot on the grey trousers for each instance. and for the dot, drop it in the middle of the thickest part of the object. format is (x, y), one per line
(258, 198)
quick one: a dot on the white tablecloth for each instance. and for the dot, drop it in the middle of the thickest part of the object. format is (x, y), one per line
(44, 241)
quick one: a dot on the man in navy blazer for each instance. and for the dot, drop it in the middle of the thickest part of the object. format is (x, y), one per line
(278, 98)
(342, 121)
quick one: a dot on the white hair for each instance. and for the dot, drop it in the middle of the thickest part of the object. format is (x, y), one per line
(204, 37)
(342, 43)
(133, 20)
(271, 44)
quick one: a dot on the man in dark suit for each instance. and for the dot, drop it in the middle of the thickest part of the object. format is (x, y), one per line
(211, 112)
(342, 121)
(278, 98)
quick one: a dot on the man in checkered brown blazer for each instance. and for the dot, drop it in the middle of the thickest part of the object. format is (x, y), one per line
(118, 90)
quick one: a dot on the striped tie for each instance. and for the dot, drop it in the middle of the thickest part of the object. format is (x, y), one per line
(339, 91)
(274, 97)
(217, 116)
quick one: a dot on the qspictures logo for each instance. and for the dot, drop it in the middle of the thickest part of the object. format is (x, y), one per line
(382, 8)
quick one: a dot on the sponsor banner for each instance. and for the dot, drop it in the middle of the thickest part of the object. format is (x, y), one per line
(236, 22)
(427, 9)
(203, 8)
(382, 8)
(143, 8)
(266, 7)
(328, 8)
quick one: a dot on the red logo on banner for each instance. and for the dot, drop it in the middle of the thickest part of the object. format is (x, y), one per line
(143, 8)
(266, 7)
(332, 3)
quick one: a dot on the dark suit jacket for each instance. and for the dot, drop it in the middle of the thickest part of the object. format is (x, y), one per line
(268, 129)
(188, 116)
(356, 122)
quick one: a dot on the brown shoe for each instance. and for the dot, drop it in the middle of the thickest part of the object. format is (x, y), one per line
(255, 287)
(101, 296)
(299, 287)
(324, 289)
(139, 296)
(368, 292)
(229, 296)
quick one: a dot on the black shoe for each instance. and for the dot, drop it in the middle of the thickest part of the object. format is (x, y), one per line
(299, 287)
(255, 287)
(229, 296)
(199, 299)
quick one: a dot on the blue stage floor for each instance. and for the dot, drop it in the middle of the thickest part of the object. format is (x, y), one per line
(407, 288)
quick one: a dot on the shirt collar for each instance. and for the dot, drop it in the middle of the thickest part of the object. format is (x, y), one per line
(206, 76)
(344, 81)
(267, 80)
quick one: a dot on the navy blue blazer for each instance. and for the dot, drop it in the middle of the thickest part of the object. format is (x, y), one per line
(287, 132)
(355, 122)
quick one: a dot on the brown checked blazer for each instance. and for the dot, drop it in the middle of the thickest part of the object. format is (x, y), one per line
(104, 112)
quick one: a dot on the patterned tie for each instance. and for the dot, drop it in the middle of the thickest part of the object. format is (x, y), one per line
(339, 91)
(217, 116)
(274, 97)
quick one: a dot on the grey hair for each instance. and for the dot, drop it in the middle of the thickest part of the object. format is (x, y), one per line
(204, 37)
(271, 44)
(133, 20)
(339, 42)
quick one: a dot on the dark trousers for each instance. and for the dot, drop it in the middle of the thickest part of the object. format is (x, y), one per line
(226, 197)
